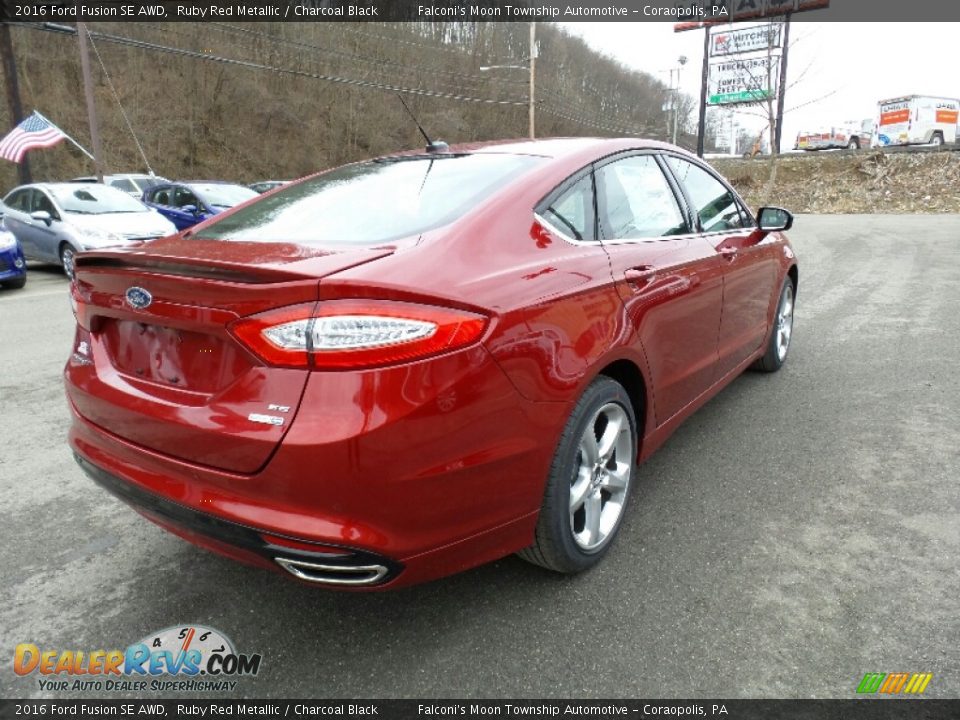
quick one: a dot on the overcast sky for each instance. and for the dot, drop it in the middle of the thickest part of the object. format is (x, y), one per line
(853, 64)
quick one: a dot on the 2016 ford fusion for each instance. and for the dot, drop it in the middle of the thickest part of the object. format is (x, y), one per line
(403, 368)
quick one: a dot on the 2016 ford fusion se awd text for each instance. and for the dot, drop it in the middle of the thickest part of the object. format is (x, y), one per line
(402, 368)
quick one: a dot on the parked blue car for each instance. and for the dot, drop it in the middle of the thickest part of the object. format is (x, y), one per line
(187, 203)
(13, 266)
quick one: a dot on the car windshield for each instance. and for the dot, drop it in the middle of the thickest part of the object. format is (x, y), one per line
(222, 195)
(95, 199)
(373, 202)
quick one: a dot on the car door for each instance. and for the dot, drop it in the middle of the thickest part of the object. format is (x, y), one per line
(46, 238)
(160, 198)
(670, 279)
(748, 256)
(17, 220)
(184, 197)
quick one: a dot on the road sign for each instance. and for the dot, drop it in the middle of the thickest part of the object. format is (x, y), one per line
(743, 40)
(743, 80)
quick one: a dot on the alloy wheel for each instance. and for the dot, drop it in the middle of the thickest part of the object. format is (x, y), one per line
(66, 258)
(785, 322)
(598, 490)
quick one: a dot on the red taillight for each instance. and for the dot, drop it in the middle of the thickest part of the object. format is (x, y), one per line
(79, 303)
(250, 332)
(340, 334)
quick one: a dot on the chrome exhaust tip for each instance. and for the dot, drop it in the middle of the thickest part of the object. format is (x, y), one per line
(320, 573)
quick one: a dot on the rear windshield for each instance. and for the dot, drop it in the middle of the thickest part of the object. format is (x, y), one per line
(372, 202)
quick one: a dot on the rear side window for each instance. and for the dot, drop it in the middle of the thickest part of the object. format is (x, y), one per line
(636, 200)
(19, 200)
(160, 196)
(713, 201)
(572, 211)
(373, 202)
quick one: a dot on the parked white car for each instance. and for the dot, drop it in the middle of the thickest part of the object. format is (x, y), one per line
(133, 184)
(54, 221)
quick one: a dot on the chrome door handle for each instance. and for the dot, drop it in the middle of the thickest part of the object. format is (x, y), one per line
(728, 253)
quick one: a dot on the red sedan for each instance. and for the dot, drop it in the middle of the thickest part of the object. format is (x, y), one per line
(402, 368)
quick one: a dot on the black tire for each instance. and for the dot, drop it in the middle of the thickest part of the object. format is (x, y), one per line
(66, 264)
(774, 358)
(16, 284)
(854, 143)
(937, 139)
(555, 546)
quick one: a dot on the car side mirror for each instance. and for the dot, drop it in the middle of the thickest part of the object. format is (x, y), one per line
(43, 216)
(774, 218)
(192, 209)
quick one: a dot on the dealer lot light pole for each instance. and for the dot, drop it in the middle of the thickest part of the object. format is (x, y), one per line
(531, 67)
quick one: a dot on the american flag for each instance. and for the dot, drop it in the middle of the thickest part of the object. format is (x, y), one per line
(34, 132)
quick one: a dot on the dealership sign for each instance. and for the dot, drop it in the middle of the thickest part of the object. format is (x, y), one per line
(743, 80)
(744, 40)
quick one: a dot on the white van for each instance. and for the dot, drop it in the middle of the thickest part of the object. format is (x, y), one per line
(917, 119)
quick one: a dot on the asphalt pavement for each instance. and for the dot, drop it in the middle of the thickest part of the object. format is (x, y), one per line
(799, 531)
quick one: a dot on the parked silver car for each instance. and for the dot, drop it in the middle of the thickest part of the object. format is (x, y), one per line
(54, 221)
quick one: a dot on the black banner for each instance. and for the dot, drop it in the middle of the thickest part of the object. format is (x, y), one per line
(885, 709)
(689, 12)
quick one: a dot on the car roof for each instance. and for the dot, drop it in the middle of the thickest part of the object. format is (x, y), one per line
(115, 176)
(64, 186)
(584, 148)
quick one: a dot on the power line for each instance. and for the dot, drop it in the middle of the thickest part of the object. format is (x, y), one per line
(503, 61)
(209, 57)
(119, 104)
(355, 58)
(423, 92)
(583, 121)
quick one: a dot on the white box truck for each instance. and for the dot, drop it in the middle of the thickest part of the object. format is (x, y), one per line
(917, 119)
(849, 134)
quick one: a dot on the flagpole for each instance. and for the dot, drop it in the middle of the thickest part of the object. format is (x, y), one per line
(79, 146)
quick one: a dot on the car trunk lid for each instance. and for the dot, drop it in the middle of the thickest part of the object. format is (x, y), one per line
(162, 369)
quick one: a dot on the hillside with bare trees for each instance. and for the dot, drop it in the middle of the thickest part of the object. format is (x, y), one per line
(247, 101)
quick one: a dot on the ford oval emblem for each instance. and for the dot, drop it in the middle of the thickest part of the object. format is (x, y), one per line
(138, 298)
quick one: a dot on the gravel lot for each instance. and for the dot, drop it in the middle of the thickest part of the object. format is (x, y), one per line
(802, 529)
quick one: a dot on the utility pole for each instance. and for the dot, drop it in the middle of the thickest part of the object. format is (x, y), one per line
(13, 94)
(676, 96)
(782, 88)
(91, 106)
(533, 70)
(704, 75)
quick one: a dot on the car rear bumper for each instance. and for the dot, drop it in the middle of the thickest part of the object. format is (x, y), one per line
(311, 562)
(420, 494)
